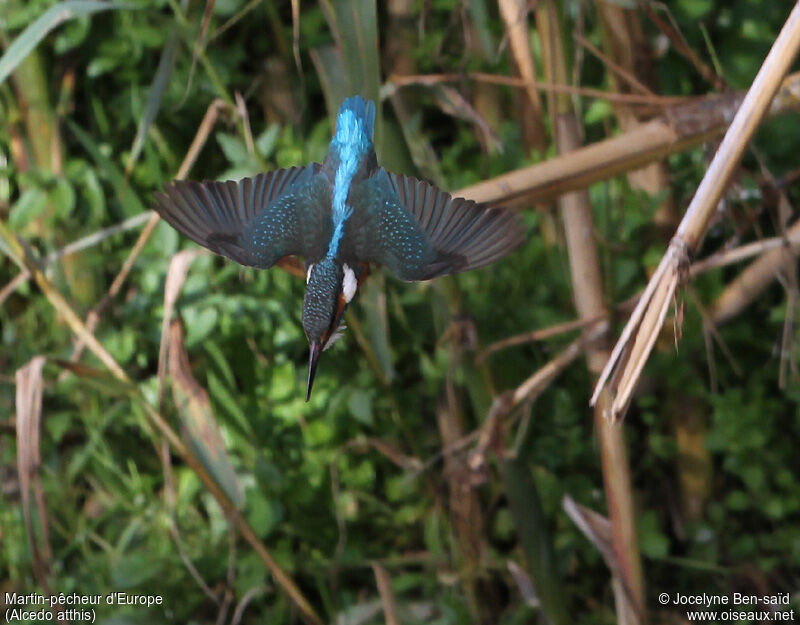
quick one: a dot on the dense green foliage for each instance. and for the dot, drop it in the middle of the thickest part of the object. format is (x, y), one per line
(321, 494)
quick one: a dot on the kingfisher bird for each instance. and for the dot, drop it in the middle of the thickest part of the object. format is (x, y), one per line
(341, 215)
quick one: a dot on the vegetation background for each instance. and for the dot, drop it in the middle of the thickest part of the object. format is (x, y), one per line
(430, 479)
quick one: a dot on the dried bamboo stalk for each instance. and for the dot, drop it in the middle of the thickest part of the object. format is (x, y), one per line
(749, 284)
(633, 348)
(587, 289)
(680, 128)
(515, 17)
(626, 43)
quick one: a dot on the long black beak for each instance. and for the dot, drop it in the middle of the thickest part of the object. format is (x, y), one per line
(315, 349)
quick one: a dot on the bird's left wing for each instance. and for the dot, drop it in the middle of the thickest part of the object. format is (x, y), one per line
(419, 231)
(254, 221)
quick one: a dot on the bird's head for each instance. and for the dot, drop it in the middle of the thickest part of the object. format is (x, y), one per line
(331, 286)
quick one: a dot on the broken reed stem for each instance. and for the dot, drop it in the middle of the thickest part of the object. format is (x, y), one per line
(21, 256)
(648, 317)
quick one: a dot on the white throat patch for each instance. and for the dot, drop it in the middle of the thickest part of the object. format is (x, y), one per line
(349, 283)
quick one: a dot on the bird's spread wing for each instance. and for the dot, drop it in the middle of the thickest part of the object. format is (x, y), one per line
(419, 231)
(254, 221)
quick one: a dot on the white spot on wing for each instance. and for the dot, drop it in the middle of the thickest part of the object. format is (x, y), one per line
(349, 284)
(308, 273)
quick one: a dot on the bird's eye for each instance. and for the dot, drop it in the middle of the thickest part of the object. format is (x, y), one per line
(349, 283)
(308, 273)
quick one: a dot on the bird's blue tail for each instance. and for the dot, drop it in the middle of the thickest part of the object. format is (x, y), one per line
(364, 110)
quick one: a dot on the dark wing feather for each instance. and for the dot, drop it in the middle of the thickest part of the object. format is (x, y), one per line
(421, 232)
(252, 221)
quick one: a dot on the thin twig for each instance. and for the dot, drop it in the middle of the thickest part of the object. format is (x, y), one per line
(680, 45)
(536, 335)
(510, 81)
(728, 257)
(711, 328)
(620, 71)
(535, 384)
(238, 613)
(76, 246)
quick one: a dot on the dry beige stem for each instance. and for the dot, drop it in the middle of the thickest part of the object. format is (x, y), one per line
(176, 276)
(384, 582)
(645, 100)
(29, 412)
(648, 317)
(536, 335)
(536, 383)
(598, 531)
(595, 527)
(587, 290)
(791, 241)
(614, 67)
(749, 284)
(515, 17)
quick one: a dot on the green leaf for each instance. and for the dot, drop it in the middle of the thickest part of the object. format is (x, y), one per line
(262, 513)
(267, 140)
(127, 197)
(373, 301)
(198, 421)
(534, 536)
(360, 406)
(233, 148)
(598, 111)
(30, 205)
(55, 15)
(221, 394)
(62, 195)
(165, 66)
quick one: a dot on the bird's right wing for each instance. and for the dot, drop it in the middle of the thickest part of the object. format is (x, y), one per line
(254, 221)
(419, 231)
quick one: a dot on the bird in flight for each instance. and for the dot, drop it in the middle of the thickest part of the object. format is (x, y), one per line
(341, 215)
